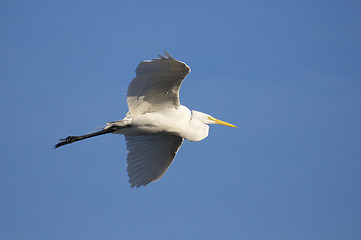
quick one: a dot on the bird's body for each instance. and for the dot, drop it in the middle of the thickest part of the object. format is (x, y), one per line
(156, 122)
(179, 122)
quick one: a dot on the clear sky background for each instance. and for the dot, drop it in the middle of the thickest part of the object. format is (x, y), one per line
(287, 73)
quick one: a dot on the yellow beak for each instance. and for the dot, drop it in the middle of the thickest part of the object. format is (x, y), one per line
(222, 122)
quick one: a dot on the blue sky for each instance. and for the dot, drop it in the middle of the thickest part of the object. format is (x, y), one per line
(287, 73)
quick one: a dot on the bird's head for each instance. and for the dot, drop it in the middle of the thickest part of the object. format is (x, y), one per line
(208, 119)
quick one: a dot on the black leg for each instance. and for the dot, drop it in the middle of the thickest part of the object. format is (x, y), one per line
(72, 139)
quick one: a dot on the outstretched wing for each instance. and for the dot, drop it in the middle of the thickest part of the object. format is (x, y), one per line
(156, 85)
(150, 156)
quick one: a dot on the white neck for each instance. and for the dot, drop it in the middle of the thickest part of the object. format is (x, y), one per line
(197, 130)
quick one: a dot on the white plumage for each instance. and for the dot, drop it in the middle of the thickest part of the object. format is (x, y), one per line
(156, 85)
(150, 156)
(156, 123)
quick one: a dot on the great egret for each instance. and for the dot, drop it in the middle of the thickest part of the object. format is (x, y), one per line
(156, 123)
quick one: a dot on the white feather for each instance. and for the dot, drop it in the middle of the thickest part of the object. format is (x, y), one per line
(156, 85)
(150, 156)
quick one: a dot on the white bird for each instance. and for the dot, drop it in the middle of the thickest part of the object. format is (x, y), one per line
(156, 123)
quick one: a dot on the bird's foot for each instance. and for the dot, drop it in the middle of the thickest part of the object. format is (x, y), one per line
(67, 140)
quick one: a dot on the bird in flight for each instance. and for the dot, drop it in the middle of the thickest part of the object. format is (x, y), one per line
(156, 123)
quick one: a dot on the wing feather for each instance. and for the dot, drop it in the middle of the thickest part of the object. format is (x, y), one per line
(156, 85)
(150, 156)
